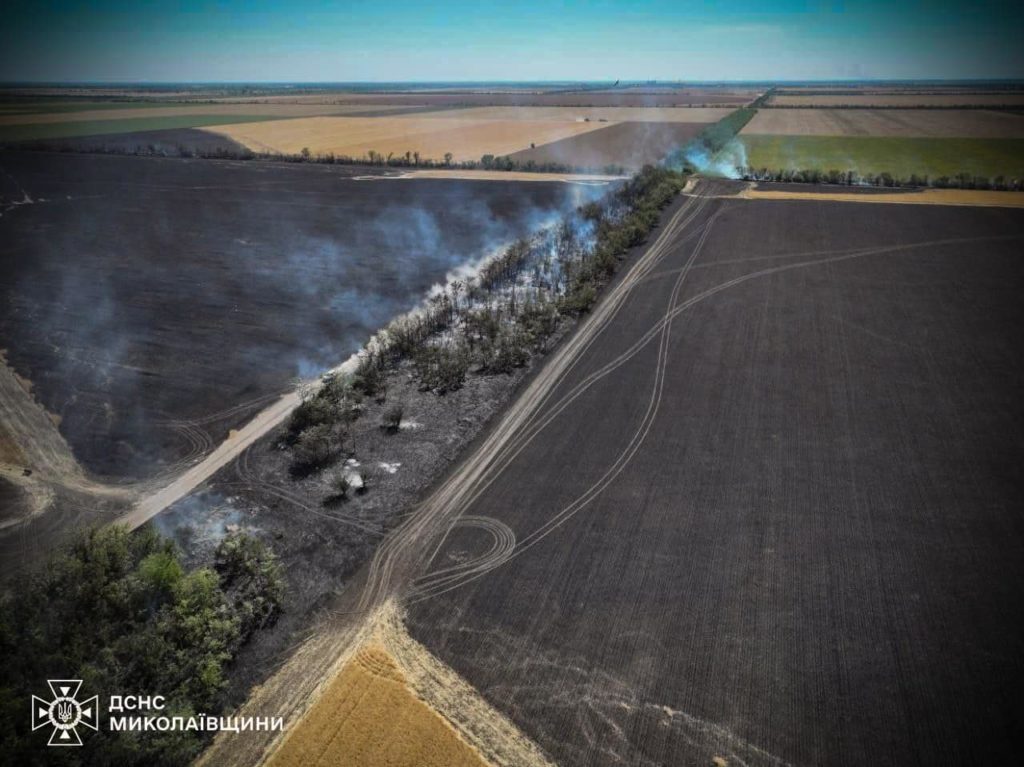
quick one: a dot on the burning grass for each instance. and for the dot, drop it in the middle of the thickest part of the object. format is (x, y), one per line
(423, 137)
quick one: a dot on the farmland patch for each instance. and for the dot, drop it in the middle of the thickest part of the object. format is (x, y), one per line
(900, 157)
(939, 123)
(631, 145)
(431, 138)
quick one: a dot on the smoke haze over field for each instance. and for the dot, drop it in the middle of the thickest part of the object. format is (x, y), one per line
(142, 293)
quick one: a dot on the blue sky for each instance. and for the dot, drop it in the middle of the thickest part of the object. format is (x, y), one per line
(311, 40)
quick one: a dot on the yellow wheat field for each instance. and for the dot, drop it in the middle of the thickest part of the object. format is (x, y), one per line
(368, 717)
(432, 137)
(573, 114)
(974, 197)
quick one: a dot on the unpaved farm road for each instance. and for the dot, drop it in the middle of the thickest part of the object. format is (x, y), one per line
(670, 278)
(406, 552)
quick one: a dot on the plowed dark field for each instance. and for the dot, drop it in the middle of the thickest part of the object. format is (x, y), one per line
(630, 144)
(157, 303)
(787, 530)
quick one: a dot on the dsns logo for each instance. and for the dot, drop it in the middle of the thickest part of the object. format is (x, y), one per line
(64, 712)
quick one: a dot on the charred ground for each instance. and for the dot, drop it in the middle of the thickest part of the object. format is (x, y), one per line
(142, 295)
(815, 555)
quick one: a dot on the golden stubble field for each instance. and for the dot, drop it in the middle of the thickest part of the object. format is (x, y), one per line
(431, 137)
(367, 717)
(608, 114)
(925, 123)
(391, 703)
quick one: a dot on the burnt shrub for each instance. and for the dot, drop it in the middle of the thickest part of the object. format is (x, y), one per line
(508, 352)
(315, 447)
(391, 420)
(315, 410)
(369, 378)
(441, 368)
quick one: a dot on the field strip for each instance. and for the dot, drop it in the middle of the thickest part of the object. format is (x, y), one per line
(970, 197)
(236, 443)
(432, 138)
(597, 179)
(269, 111)
(391, 685)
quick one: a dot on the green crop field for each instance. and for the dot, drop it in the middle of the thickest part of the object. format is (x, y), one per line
(72, 128)
(899, 156)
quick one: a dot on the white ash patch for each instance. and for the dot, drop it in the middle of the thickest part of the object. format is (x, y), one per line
(390, 468)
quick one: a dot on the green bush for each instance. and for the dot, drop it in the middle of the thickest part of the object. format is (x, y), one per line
(117, 610)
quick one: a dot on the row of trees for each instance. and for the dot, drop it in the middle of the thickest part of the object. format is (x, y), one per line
(853, 178)
(489, 324)
(408, 159)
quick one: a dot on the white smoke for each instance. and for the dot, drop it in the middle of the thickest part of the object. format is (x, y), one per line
(729, 162)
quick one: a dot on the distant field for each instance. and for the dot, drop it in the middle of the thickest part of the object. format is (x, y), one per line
(76, 128)
(630, 144)
(611, 114)
(938, 123)
(432, 138)
(667, 97)
(900, 157)
(900, 99)
(126, 111)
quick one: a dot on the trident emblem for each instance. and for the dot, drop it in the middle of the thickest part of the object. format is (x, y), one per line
(64, 712)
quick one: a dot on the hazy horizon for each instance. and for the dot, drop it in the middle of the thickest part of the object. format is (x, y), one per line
(600, 40)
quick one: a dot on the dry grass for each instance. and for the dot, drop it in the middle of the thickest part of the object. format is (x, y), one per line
(431, 137)
(10, 453)
(101, 113)
(940, 123)
(900, 99)
(503, 175)
(369, 717)
(974, 197)
(610, 114)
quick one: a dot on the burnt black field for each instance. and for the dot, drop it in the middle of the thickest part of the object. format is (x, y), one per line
(816, 555)
(139, 292)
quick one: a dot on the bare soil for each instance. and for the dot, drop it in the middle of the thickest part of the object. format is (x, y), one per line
(939, 123)
(781, 528)
(631, 145)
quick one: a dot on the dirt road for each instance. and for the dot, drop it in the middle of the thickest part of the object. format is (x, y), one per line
(406, 552)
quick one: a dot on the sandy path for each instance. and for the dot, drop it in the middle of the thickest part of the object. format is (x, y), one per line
(30, 440)
(503, 175)
(982, 197)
